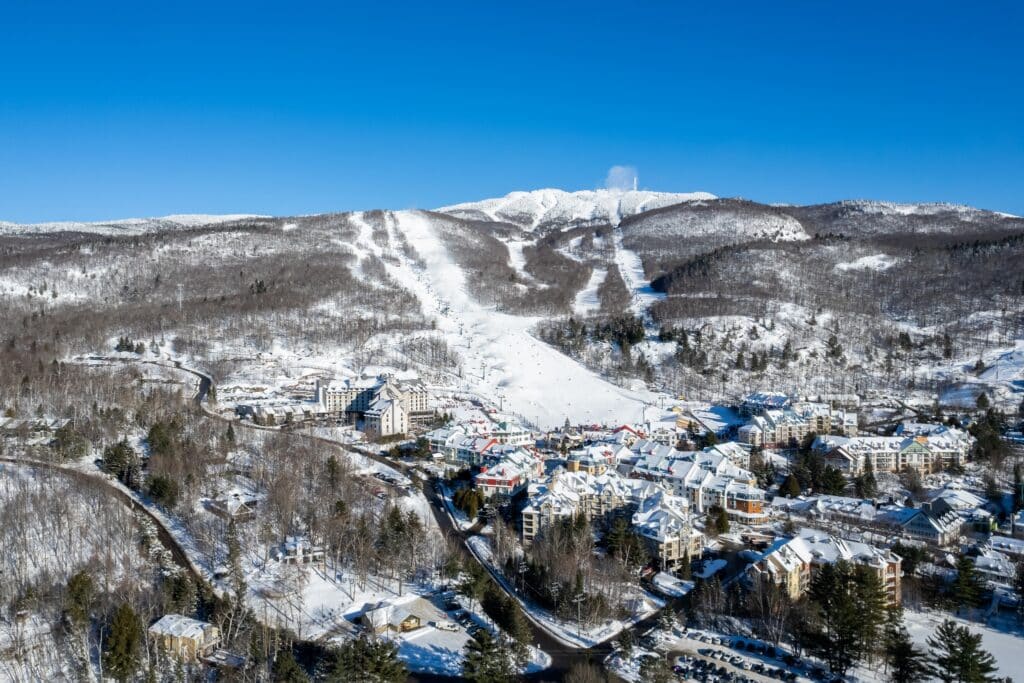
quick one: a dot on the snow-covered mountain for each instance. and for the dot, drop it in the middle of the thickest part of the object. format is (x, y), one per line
(826, 298)
(122, 226)
(550, 207)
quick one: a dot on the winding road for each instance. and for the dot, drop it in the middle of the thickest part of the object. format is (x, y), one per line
(563, 656)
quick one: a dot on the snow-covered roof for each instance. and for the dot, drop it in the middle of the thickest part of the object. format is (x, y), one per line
(180, 626)
(662, 516)
(813, 546)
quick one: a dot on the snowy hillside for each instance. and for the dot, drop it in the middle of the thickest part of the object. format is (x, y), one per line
(502, 360)
(550, 207)
(668, 293)
(125, 226)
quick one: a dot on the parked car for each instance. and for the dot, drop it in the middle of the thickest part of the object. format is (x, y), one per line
(445, 625)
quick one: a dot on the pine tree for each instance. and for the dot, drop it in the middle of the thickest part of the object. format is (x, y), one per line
(832, 481)
(957, 655)
(685, 571)
(364, 659)
(983, 402)
(655, 670)
(866, 484)
(852, 608)
(286, 670)
(78, 604)
(236, 572)
(121, 460)
(488, 660)
(968, 587)
(123, 644)
(790, 487)
(907, 664)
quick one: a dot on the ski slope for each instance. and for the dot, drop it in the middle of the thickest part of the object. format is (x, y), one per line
(502, 359)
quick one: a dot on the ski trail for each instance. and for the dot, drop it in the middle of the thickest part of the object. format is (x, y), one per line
(502, 359)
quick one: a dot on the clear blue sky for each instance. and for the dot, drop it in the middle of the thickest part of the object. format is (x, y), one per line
(137, 109)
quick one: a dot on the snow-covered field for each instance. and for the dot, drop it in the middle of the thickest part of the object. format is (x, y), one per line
(1005, 647)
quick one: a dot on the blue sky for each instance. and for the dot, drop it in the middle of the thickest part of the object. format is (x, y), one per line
(112, 110)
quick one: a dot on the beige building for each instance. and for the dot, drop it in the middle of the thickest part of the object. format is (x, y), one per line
(183, 637)
(663, 522)
(923, 452)
(566, 494)
(791, 562)
(387, 405)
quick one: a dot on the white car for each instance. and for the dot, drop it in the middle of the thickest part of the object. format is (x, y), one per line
(445, 625)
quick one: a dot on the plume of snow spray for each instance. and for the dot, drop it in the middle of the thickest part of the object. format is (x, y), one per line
(621, 178)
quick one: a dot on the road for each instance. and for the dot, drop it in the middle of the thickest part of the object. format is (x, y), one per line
(563, 656)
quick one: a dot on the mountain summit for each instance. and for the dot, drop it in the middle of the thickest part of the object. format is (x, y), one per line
(548, 207)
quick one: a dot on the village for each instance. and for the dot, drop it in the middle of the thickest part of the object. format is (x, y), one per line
(762, 492)
(686, 544)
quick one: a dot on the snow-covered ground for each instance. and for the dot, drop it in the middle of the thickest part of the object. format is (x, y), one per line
(586, 299)
(1005, 647)
(539, 207)
(501, 356)
(872, 262)
(632, 270)
(645, 604)
(124, 226)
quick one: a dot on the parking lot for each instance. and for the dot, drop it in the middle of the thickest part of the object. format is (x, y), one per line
(744, 659)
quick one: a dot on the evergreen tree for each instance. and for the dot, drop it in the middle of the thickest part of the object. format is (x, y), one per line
(718, 520)
(866, 485)
(488, 660)
(832, 481)
(364, 659)
(627, 641)
(123, 644)
(685, 570)
(790, 487)
(474, 584)
(655, 670)
(907, 664)
(968, 587)
(957, 655)
(121, 460)
(163, 490)
(78, 604)
(852, 607)
(983, 402)
(236, 573)
(625, 545)
(286, 670)
(229, 435)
